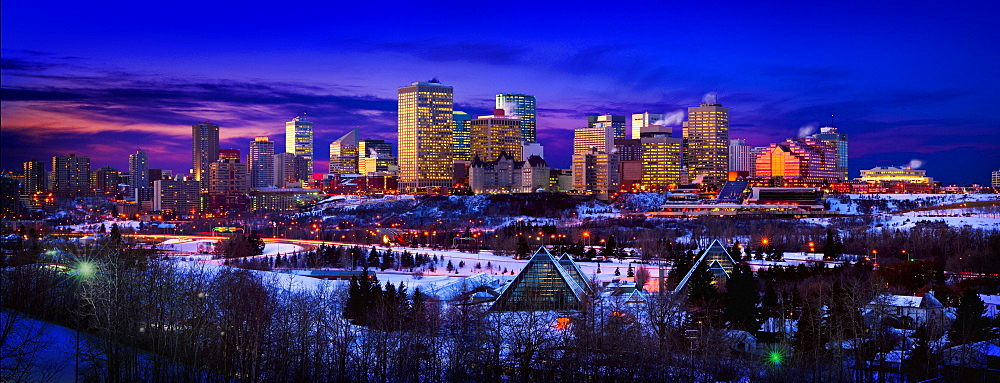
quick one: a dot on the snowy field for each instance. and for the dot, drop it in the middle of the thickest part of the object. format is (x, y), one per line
(56, 345)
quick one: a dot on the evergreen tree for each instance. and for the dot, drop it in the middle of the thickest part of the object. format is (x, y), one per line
(920, 364)
(769, 302)
(618, 272)
(450, 267)
(832, 248)
(255, 243)
(809, 332)
(461, 264)
(522, 247)
(741, 299)
(700, 288)
(970, 324)
(630, 272)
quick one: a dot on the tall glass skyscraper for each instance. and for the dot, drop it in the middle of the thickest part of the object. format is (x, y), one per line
(425, 135)
(609, 120)
(204, 150)
(521, 106)
(706, 139)
(261, 162)
(344, 154)
(138, 167)
(838, 141)
(299, 140)
(460, 137)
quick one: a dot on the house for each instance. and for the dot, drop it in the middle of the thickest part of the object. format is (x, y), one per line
(992, 303)
(909, 311)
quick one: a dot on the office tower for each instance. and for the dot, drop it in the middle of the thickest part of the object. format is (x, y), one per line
(491, 135)
(299, 140)
(529, 149)
(460, 137)
(378, 163)
(229, 183)
(838, 141)
(741, 156)
(629, 153)
(996, 179)
(425, 135)
(366, 148)
(595, 171)
(706, 139)
(10, 201)
(521, 106)
(261, 162)
(344, 154)
(230, 154)
(105, 179)
(180, 197)
(138, 167)
(804, 159)
(204, 150)
(284, 169)
(602, 138)
(70, 175)
(661, 158)
(34, 177)
(754, 153)
(640, 120)
(609, 120)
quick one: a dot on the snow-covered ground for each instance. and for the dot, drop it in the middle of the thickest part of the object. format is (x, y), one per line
(892, 201)
(54, 345)
(92, 227)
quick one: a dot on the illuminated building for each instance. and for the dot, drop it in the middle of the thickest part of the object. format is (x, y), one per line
(204, 150)
(299, 141)
(905, 174)
(741, 156)
(601, 138)
(706, 143)
(491, 135)
(34, 177)
(289, 169)
(544, 283)
(10, 201)
(282, 199)
(616, 123)
(508, 175)
(70, 175)
(366, 148)
(138, 167)
(378, 163)
(661, 158)
(803, 159)
(595, 171)
(105, 179)
(995, 174)
(838, 141)
(229, 183)
(629, 152)
(230, 154)
(641, 120)
(181, 197)
(425, 135)
(460, 137)
(261, 162)
(522, 107)
(344, 154)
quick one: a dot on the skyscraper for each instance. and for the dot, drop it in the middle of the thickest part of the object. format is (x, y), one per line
(741, 156)
(344, 154)
(609, 120)
(34, 177)
(425, 135)
(70, 175)
(299, 140)
(661, 158)
(460, 136)
(521, 106)
(105, 179)
(640, 120)
(602, 138)
(805, 159)
(838, 141)
(138, 167)
(261, 162)
(595, 171)
(368, 146)
(495, 134)
(204, 150)
(228, 183)
(706, 140)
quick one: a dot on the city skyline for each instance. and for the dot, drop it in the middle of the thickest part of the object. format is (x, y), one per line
(927, 99)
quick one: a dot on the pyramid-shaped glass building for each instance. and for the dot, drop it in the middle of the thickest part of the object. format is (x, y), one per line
(545, 283)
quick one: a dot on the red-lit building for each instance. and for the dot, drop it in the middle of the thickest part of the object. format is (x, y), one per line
(802, 159)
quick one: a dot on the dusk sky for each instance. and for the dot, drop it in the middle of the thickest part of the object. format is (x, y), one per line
(906, 80)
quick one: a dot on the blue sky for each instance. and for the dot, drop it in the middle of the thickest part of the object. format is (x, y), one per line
(905, 80)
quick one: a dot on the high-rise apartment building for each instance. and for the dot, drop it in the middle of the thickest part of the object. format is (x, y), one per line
(741, 156)
(706, 139)
(299, 140)
(495, 134)
(629, 152)
(289, 168)
(204, 150)
(595, 171)
(804, 159)
(460, 137)
(230, 154)
(368, 147)
(344, 154)
(641, 120)
(521, 106)
(838, 141)
(661, 158)
(105, 179)
(70, 175)
(996, 179)
(138, 167)
(425, 135)
(261, 162)
(602, 138)
(34, 177)
(229, 183)
(180, 197)
(609, 120)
